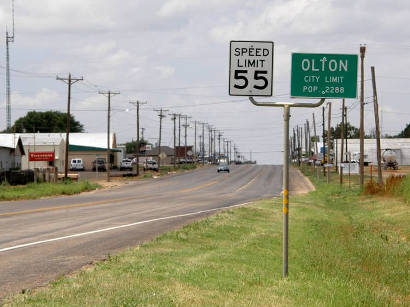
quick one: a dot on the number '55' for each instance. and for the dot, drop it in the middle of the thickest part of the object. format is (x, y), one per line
(258, 75)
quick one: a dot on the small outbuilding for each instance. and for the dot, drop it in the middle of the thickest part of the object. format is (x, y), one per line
(11, 151)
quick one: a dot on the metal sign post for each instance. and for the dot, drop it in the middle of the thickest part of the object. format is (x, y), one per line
(313, 76)
(286, 115)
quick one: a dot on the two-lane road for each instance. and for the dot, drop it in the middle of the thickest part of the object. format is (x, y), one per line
(43, 239)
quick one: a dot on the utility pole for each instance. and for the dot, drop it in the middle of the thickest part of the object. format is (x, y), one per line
(219, 145)
(179, 132)
(203, 143)
(324, 143)
(142, 133)
(295, 153)
(376, 118)
(346, 129)
(314, 130)
(328, 140)
(137, 104)
(214, 145)
(298, 144)
(309, 139)
(161, 116)
(69, 81)
(209, 142)
(230, 152)
(108, 94)
(342, 137)
(305, 135)
(186, 126)
(9, 39)
(174, 118)
(195, 153)
(227, 152)
(362, 53)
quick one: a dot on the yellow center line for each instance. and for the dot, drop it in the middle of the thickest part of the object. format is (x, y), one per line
(200, 186)
(55, 208)
(250, 182)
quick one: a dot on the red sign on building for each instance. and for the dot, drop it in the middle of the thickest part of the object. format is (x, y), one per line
(41, 156)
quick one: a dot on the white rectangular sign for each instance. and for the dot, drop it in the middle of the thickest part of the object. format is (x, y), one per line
(251, 68)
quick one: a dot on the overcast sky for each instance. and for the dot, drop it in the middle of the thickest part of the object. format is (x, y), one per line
(175, 54)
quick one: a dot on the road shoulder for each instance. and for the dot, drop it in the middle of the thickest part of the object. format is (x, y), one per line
(299, 184)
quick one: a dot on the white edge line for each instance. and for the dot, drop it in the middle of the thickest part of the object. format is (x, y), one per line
(117, 227)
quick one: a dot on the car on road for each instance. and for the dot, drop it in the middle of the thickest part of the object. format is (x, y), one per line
(126, 164)
(223, 167)
(99, 164)
(76, 164)
(151, 165)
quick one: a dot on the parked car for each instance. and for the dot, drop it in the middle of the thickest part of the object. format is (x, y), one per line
(99, 164)
(76, 164)
(223, 167)
(126, 164)
(151, 165)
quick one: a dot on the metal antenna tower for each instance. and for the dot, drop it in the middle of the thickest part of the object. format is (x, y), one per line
(9, 39)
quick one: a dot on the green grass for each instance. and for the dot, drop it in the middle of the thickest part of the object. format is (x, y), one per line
(33, 190)
(404, 190)
(346, 249)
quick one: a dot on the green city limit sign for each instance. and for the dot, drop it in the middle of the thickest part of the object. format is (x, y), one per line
(317, 75)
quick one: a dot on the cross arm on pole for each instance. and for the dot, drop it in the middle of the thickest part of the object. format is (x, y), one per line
(290, 104)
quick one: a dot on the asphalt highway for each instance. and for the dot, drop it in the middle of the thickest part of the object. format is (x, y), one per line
(41, 240)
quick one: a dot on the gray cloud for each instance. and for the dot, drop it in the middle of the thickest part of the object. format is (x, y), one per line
(175, 54)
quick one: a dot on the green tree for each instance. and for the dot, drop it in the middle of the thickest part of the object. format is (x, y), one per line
(405, 133)
(46, 122)
(352, 132)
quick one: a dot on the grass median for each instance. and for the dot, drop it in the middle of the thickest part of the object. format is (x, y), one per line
(38, 190)
(345, 249)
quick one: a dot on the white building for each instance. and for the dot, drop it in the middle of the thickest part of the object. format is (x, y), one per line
(11, 151)
(400, 146)
(42, 142)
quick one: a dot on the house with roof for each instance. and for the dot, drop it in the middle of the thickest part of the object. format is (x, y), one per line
(11, 151)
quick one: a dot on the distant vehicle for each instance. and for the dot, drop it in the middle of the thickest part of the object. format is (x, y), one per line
(151, 165)
(126, 164)
(390, 159)
(76, 164)
(223, 167)
(99, 164)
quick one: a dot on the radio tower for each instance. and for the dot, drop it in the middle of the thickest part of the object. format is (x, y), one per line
(9, 39)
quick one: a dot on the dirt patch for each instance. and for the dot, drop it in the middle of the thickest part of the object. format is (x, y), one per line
(298, 183)
(372, 170)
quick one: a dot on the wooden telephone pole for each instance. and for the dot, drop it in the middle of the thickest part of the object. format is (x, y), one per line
(362, 53)
(342, 138)
(69, 81)
(174, 118)
(137, 104)
(376, 118)
(161, 115)
(328, 140)
(108, 94)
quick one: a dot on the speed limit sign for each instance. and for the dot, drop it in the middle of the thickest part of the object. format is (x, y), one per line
(251, 68)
